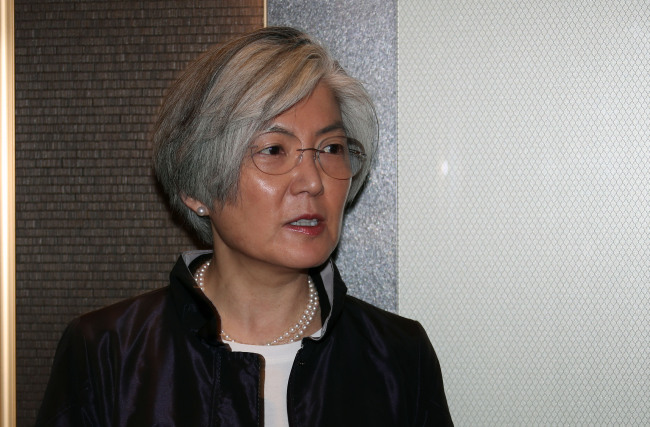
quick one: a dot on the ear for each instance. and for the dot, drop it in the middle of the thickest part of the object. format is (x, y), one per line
(199, 208)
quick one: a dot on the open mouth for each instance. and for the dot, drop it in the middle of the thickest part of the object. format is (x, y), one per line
(305, 223)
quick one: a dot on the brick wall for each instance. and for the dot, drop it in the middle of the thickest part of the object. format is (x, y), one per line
(91, 226)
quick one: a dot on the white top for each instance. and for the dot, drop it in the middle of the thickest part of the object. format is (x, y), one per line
(278, 362)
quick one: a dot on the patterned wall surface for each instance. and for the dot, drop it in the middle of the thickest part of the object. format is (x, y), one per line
(362, 36)
(91, 228)
(524, 210)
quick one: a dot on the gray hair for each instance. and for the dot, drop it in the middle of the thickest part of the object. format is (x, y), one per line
(213, 111)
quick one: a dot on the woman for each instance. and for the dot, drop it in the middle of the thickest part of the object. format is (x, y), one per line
(259, 146)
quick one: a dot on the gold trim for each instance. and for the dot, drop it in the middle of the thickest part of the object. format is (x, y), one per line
(266, 22)
(7, 220)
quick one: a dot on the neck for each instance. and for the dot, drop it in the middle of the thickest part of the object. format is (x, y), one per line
(258, 307)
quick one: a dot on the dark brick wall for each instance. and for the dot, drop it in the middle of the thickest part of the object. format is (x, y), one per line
(91, 226)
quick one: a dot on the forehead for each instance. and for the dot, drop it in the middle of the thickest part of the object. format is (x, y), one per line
(317, 113)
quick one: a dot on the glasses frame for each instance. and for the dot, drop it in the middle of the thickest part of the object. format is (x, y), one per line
(353, 152)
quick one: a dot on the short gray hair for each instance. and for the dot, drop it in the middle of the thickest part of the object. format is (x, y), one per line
(213, 111)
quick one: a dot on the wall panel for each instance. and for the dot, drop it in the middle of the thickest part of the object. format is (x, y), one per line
(91, 226)
(524, 213)
(362, 36)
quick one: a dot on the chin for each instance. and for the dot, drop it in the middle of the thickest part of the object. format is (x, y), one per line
(305, 260)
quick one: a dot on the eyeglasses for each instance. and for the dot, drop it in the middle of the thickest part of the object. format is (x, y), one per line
(277, 153)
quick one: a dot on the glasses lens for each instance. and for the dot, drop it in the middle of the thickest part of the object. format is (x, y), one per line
(274, 153)
(341, 157)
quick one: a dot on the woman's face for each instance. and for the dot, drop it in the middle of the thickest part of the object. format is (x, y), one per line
(291, 220)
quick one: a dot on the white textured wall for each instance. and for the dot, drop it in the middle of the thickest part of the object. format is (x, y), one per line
(524, 206)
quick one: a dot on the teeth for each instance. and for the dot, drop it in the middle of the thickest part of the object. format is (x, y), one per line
(306, 222)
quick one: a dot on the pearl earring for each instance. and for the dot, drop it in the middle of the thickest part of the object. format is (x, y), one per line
(201, 211)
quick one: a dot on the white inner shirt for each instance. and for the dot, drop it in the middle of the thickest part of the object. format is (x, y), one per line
(277, 368)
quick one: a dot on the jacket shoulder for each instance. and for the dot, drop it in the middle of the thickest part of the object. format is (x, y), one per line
(91, 351)
(123, 314)
(385, 348)
(375, 322)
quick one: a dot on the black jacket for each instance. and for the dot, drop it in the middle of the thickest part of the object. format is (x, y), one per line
(157, 360)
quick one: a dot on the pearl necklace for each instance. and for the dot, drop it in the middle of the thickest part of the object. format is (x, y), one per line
(295, 332)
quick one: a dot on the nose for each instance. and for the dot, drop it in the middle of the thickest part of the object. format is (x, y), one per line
(307, 175)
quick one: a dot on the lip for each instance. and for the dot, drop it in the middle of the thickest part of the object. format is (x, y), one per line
(305, 229)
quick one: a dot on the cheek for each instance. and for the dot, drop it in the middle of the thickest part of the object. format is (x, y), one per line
(343, 193)
(338, 200)
(256, 182)
(258, 194)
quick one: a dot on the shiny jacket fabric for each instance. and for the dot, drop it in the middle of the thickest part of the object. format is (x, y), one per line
(157, 360)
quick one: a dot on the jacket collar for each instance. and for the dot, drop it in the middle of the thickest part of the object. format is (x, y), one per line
(199, 315)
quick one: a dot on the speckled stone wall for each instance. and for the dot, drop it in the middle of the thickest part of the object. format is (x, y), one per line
(362, 35)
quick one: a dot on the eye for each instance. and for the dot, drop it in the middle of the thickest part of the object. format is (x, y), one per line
(335, 146)
(274, 144)
(272, 150)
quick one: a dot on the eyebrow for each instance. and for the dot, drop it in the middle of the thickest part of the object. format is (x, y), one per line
(330, 128)
(327, 129)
